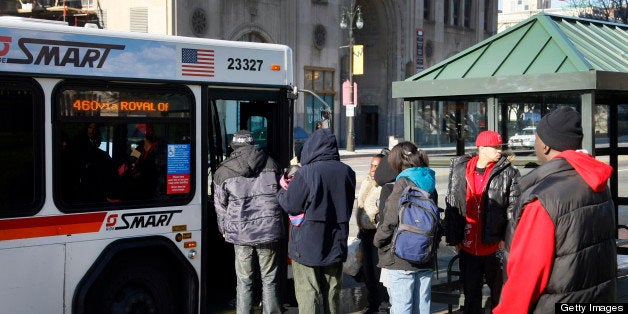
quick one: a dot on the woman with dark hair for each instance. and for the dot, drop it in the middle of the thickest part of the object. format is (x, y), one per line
(409, 284)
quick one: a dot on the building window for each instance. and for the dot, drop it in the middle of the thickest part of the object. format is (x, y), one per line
(447, 19)
(426, 9)
(252, 37)
(139, 20)
(456, 13)
(487, 15)
(321, 82)
(468, 8)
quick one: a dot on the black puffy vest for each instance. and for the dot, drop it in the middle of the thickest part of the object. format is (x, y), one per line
(585, 259)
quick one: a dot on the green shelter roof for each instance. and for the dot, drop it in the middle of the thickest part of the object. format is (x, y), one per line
(542, 45)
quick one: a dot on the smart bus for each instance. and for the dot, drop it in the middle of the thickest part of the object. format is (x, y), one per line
(108, 142)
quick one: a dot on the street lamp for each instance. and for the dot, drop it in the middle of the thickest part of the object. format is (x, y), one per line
(347, 22)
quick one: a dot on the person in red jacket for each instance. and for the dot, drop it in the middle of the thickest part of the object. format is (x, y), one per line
(482, 192)
(562, 234)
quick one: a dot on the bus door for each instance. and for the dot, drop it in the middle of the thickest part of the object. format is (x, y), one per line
(267, 115)
(259, 118)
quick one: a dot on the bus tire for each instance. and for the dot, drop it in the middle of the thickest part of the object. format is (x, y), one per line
(133, 289)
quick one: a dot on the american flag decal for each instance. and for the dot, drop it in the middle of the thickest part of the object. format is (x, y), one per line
(197, 62)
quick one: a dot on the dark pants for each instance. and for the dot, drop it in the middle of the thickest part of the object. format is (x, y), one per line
(370, 271)
(475, 271)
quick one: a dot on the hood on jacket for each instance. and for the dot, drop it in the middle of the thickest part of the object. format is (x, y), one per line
(594, 172)
(321, 145)
(246, 161)
(384, 172)
(422, 177)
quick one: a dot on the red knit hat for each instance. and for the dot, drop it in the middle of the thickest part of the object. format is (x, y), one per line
(488, 138)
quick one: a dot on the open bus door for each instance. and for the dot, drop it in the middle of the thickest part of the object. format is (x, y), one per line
(267, 114)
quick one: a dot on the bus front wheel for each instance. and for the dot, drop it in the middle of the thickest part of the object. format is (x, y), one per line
(133, 289)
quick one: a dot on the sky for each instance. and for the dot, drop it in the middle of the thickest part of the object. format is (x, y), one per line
(555, 4)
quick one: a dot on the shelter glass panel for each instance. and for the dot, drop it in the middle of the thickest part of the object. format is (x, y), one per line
(520, 115)
(440, 125)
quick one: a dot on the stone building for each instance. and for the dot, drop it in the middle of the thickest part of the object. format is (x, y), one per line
(400, 38)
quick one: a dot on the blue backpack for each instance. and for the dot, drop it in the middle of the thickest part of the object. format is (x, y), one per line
(419, 231)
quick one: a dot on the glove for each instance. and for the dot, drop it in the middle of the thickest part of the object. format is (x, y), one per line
(284, 182)
(297, 220)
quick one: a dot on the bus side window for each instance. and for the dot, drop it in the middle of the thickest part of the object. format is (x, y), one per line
(143, 173)
(134, 156)
(88, 170)
(21, 151)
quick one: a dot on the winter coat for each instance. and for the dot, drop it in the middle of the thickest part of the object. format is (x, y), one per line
(425, 179)
(368, 197)
(563, 247)
(245, 197)
(499, 197)
(324, 189)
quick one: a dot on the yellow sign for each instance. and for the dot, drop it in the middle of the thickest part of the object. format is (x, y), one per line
(358, 59)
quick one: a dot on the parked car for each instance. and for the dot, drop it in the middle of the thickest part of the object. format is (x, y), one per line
(523, 139)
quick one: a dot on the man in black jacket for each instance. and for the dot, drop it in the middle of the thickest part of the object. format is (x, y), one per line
(481, 194)
(321, 196)
(245, 189)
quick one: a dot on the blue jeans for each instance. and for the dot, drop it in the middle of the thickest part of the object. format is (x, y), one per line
(244, 268)
(410, 291)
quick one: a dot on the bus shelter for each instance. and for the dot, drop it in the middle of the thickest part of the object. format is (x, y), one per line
(510, 80)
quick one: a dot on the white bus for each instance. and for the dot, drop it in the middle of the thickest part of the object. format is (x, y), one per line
(107, 145)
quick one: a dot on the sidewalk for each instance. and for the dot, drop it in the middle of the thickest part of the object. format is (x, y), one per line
(354, 294)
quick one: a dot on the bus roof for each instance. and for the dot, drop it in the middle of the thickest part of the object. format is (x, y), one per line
(34, 47)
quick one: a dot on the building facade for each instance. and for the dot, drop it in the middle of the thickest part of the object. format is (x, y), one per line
(400, 38)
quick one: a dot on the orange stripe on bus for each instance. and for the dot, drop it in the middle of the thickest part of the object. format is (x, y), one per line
(35, 227)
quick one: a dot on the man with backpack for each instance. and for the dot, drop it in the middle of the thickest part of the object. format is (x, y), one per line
(408, 279)
(481, 194)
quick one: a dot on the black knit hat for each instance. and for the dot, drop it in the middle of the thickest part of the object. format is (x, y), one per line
(241, 138)
(561, 129)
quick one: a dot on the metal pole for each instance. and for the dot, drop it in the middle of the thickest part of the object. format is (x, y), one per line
(351, 13)
(350, 139)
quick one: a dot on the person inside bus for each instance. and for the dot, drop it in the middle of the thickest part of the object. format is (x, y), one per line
(94, 170)
(249, 217)
(144, 174)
